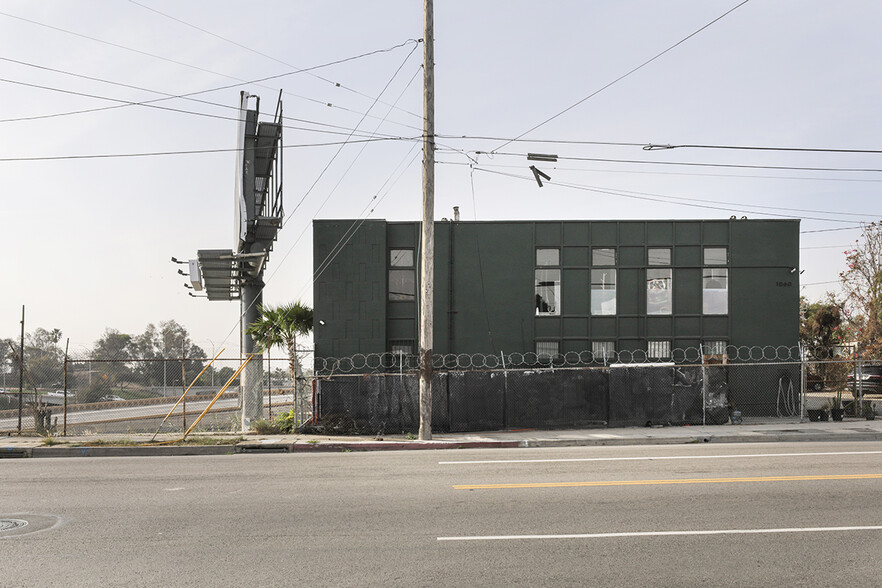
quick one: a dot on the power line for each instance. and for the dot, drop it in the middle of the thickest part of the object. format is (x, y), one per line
(656, 147)
(831, 230)
(240, 80)
(788, 209)
(124, 103)
(256, 52)
(655, 198)
(152, 104)
(693, 164)
(197, 151)
(664, 173)
(334, 157)
(187, 96)
(820, 283)
(651, 147)
(622, 77)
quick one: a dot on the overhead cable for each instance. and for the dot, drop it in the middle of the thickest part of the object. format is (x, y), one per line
(240, 80)
(270, 57)
(657, 198)
(622, 77)
(200, 151)
(694, 164)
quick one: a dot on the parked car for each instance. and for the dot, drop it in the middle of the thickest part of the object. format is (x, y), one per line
(111, 398)
(870, 381)
(814, 382)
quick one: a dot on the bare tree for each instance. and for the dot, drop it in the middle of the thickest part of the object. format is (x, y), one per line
(862, 288)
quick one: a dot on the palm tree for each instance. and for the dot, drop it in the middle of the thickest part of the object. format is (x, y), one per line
(279, 326)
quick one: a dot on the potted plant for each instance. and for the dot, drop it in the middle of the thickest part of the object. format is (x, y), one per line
(835, 404)
(817, 414)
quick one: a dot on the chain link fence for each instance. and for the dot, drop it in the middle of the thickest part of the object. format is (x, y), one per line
(378, 393)
(122, 396)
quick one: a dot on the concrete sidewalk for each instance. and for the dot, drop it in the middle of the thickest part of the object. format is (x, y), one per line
(140, 445)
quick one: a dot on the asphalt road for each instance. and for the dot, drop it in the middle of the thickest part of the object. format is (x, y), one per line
(696, 515)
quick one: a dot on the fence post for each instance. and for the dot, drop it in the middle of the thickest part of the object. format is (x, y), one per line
(803, 380)
(269, 382)
(184, 386)
(64, 423)
(859, 380)
(703, 385)
(504, 391)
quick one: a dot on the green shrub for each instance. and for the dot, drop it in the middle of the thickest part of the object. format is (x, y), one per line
(264, 427)
(287, 422)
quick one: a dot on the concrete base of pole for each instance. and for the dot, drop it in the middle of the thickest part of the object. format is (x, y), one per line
(251, 379)
(252, 393)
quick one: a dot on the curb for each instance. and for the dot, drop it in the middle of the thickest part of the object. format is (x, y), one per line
(370, 446)
(105, 451)
(365, 446)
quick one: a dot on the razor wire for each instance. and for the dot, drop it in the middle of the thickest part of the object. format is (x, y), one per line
(397, 362)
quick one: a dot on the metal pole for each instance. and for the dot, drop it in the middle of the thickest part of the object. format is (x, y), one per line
(269, 380)
(802, 382)
(21, 370)
(64, 424)
(184, 385)
(251, 296)
(427, 262)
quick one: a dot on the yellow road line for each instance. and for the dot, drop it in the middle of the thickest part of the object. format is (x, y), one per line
(654, 482)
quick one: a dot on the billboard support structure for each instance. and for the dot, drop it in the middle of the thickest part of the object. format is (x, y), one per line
(237, 273)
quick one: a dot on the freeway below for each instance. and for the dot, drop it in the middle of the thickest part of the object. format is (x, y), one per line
(787, 514)
(149, 415)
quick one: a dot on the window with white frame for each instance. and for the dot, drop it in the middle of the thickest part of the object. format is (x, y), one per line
(715, 291)
(603, 351)
(658, 349)
(603, 292)
(402, 276)
(547, 291)
(547, 350)
(659, 291)
(714, 348)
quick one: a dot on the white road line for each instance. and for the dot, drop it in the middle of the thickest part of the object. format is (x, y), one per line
(664, 533)
(663, 457)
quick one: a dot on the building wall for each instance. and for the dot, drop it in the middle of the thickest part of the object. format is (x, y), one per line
(485, 290)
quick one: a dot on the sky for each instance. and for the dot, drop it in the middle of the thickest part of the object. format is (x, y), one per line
(98, 190)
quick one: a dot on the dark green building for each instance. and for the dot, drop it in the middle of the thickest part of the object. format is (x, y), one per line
(647, 287)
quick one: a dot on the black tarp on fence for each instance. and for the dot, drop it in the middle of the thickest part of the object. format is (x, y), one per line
(618, 396)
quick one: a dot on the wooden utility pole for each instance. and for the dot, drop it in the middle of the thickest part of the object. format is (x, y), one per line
(427, 258)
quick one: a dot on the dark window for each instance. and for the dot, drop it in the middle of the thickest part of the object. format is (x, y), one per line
(547, 256)
(603, 256)
(402, 276)
(401, 258)
(715, 256)
(658, 256)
